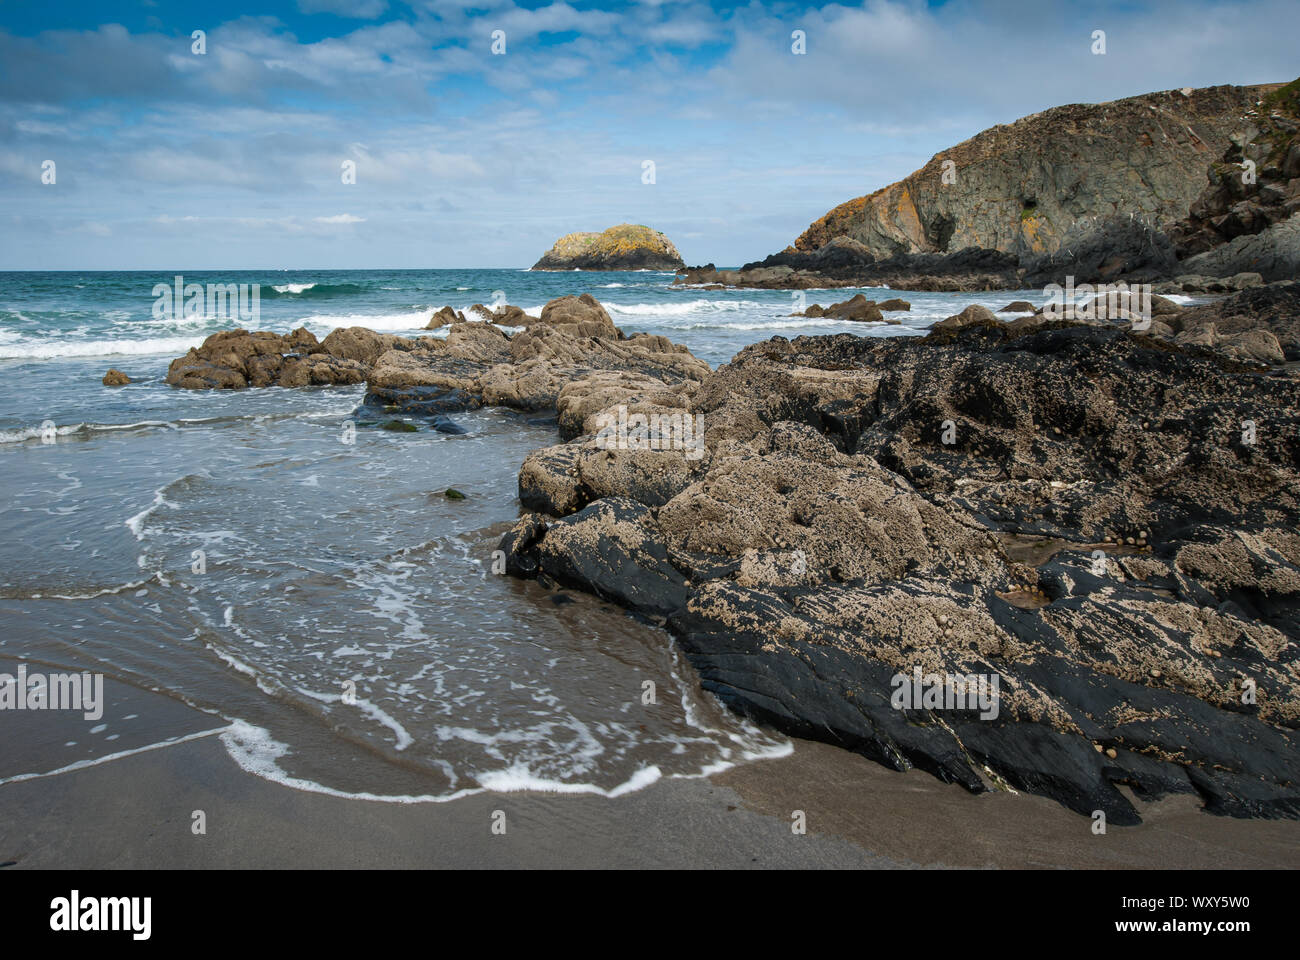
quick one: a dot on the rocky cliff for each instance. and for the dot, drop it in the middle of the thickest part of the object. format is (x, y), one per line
(1245, 218)
(624, 247)
(1025, 188)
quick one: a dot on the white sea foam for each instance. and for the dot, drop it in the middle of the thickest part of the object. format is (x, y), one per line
(671, 309)
(25, 349)
(382, 321)
(518, 777)
(105, 592)
(22, 434)
(257, 752)
(292, 287)
(780, 324)
(373, 711)
(136, 523)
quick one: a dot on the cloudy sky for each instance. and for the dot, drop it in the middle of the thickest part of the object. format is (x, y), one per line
(165, 158)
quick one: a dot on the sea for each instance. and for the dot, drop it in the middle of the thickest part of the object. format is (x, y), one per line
(313, 590)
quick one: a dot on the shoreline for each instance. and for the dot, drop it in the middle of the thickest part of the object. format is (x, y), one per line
(135, 812)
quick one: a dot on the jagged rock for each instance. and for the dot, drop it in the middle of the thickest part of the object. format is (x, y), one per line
(443, 317)
(857, 308)
(610, 549)
(866, 507)
(573, 339)
(581, 316)
(1272, 254)
(506, 315)
(624, 247)
(846, 263)
(1193, 283)
(234, 359)
(1274, 308)
(1102, 250)
(1245, 219)
(362, 344)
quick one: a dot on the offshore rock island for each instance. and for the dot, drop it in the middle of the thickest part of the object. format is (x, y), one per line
(624, 247)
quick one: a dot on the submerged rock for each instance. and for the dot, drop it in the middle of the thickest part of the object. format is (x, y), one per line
(115, 378)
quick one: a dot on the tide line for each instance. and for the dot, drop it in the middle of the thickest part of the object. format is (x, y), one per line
(96, 761)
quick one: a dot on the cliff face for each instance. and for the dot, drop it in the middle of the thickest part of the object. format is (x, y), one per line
(1246, 217)
(624, 247)
(1024, 188)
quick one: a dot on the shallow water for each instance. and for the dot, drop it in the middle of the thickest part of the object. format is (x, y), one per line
(345, 615)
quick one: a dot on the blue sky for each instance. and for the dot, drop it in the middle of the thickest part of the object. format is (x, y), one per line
(165, 158)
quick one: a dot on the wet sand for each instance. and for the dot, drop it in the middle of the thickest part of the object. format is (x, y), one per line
(135, 811)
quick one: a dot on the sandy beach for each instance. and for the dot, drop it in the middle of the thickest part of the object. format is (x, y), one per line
(136, 812)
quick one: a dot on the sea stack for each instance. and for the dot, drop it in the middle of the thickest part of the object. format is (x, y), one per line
(624, 247)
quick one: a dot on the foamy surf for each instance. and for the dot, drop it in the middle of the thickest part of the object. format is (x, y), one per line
(25, 349)
(257, 752)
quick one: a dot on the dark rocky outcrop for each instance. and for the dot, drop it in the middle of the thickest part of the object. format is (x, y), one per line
(572, 350)
(624, 247)
(847, 263)
(1104, 520)
(1245, 219)
(234, 359)
(1273, 310)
